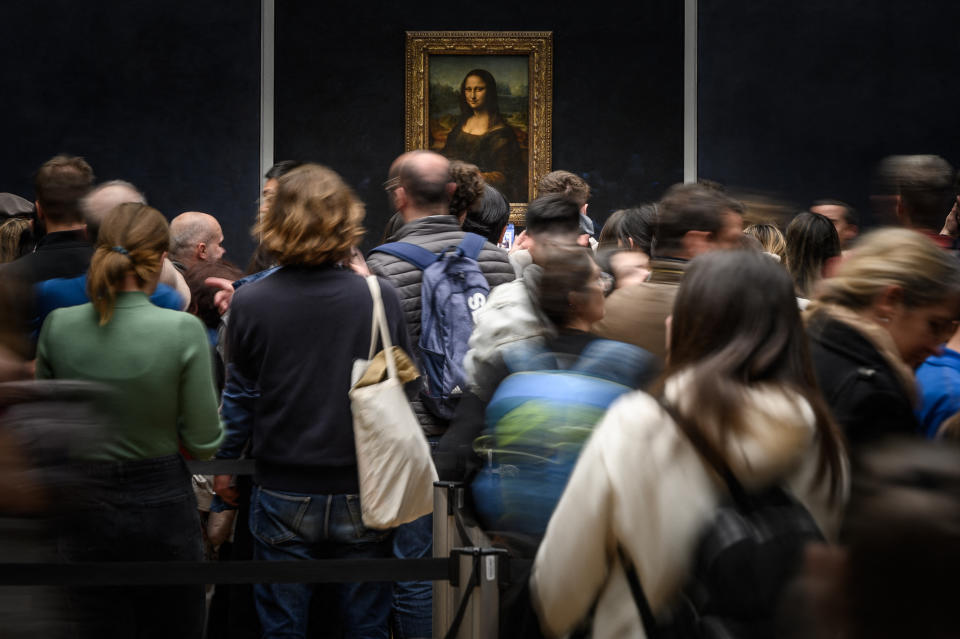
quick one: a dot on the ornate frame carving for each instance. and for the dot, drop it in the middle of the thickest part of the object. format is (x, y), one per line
(537, 45)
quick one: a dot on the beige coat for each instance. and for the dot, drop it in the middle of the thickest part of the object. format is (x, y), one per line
(640, 483)
(636, 314)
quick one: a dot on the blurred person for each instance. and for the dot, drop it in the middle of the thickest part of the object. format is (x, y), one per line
(627, 241)
(889, 306)
(812, 246)
(951, 225)
(15, 235)
(938, 381)
(630, 229)
(202, 304)
(157, 363)
(922, 193)
(171, 291)
(102, 199)
(844, 218)
(290, 363)
(420, 188)
(261, 261)
(547, 410)
(488, 216)
(625, 267)
(577, 189)
(740, 378)
(64, 250)
(770, 238)
(195, 237)
(691, 220)
(894, 574)
(469, 188)
(512, 314)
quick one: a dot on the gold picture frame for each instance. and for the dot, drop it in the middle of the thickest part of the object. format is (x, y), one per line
(437, 112)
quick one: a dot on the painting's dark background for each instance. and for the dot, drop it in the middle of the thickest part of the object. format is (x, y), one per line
(798, 99)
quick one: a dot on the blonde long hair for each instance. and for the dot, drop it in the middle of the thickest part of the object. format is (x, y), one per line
(133, 238)
(906, 259)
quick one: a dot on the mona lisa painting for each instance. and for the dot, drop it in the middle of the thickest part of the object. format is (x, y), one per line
(483, 98)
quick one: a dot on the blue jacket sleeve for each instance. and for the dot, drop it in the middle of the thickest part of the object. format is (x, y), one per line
(236, 412)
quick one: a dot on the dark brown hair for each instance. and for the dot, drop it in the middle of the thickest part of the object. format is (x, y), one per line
(567, 183)
(688, 207)
(201, 295)
(811, 240)
(133, 238)
(736, 324)
(566, 269)
(60, 184)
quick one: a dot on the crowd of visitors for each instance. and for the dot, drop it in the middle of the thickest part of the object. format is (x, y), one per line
(699, 423)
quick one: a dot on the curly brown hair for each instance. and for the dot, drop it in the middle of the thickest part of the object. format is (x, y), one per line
(314, 219)
(469, 186)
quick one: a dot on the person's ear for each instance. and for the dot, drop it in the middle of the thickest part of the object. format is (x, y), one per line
(583, 209)
(201, 251)
(888, 303)
(399, 198)
(40, 215)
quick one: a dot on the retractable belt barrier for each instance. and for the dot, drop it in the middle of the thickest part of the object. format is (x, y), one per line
(467, 572)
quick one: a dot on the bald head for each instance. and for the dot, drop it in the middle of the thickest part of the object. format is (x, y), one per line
(195, 237)
(103, 199)
(423, 184)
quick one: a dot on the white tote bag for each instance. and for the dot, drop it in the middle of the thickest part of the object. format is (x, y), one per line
(393, 456)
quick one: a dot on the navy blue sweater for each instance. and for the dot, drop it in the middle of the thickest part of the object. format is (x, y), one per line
(292, 339)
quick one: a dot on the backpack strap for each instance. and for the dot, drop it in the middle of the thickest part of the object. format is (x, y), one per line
(472, 244)
(416, 255)
(650, 627)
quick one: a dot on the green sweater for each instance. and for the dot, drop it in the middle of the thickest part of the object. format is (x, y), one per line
(157, 361)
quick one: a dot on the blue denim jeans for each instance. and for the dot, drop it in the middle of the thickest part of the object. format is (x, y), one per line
(413, 600)
(290, 526)
(139, 510)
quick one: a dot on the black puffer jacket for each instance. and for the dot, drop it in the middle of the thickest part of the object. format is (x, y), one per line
(866, 397)
(433, 233)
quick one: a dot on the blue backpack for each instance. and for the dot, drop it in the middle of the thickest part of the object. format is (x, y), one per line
(538, 420)
(452, 289)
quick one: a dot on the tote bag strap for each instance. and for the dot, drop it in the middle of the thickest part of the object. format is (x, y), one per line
(379, 325)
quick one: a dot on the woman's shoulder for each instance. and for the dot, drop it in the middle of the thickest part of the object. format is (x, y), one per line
(70, 319)
(633, 422)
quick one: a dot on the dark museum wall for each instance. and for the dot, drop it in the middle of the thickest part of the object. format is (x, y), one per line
(163, 94)
(618, 90)
(803, 99)
(799, 100)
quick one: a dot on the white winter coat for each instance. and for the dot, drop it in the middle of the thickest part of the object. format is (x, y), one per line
(640, 483)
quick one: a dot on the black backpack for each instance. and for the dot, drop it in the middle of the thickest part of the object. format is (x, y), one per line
(746, 557)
